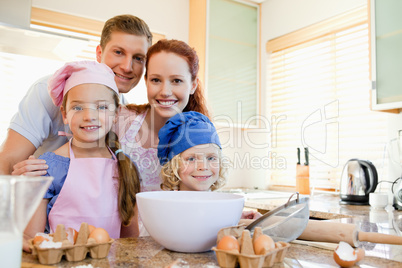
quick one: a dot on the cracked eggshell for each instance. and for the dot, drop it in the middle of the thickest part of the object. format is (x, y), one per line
(345, 255)
(360, 254)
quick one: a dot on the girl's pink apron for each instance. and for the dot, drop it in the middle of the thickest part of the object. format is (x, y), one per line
(89, 194)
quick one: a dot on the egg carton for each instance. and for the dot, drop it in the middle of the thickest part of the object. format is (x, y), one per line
(230, 259)
(76, 252)
(246, 258)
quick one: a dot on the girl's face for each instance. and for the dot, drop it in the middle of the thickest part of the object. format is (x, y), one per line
(199, 167)
(169, 84)
(89, 111)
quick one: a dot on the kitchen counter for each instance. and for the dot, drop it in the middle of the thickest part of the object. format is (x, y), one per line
(322, 206)
(325, 206)
(145, 252)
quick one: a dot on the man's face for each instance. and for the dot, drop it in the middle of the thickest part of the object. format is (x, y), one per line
(125, 55)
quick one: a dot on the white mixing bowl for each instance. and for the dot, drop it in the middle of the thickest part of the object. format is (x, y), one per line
(188, 221)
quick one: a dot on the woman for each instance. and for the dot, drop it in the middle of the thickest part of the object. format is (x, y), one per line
(173, 87)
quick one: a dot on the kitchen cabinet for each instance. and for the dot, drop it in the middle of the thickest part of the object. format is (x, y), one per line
(386, 54)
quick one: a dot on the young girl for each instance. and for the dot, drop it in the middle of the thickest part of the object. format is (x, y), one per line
(94, 181)
(190, 154)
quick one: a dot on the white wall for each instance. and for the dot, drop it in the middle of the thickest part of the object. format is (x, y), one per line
(394, 125)
(166, 17)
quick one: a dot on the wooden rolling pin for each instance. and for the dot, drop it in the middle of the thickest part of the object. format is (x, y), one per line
(334, 232)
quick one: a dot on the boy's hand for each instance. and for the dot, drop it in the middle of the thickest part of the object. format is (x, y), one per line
(30, 167)
(250, 214)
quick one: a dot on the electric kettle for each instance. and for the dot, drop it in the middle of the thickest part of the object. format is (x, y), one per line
(359, 178)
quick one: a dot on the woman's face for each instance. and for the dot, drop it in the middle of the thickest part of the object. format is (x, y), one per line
(199, 167)
(89, 111)
(169, 84)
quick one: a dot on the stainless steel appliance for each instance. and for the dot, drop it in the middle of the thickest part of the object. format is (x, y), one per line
(359, 178)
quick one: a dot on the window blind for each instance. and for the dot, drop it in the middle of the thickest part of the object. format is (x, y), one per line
(319, 88)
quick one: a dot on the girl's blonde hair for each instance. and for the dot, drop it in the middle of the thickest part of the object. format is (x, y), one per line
(171, 179)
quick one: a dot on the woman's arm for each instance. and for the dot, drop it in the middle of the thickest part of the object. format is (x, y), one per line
(37, 224)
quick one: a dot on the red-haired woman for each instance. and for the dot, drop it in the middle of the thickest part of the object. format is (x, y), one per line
(172, 87)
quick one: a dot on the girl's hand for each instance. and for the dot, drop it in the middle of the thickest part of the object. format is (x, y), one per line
(25, 244)
(30, 167)
(250, 214)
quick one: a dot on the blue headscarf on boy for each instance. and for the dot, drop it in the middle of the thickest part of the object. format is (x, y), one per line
(183, 131)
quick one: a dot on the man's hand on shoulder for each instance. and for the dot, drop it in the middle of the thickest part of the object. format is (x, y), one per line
(30, 167)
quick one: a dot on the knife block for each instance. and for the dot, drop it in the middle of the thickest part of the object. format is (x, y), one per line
(303, 179)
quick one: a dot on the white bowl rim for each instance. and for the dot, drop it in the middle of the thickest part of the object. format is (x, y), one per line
(153, 195)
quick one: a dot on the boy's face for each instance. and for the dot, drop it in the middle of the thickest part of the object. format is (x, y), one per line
(199, 167)
(125, 55)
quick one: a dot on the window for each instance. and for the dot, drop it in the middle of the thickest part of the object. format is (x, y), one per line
(232, 65)
(319, 93)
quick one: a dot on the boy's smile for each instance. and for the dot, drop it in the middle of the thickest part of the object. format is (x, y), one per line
(199, 167)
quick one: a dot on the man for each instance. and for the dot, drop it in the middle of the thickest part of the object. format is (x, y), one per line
(35, 128)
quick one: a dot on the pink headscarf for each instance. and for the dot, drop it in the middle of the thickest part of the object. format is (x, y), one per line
(79, 72)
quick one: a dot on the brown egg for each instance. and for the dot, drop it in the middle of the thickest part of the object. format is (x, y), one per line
(100, 235)
(229, 243)
(91, 228)
(345, 255)
(263, 244)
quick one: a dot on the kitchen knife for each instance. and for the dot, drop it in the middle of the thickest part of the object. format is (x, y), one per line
(298, 156)
(303, 174)
(306, 163)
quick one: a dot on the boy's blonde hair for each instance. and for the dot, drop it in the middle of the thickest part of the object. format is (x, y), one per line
(171, 179)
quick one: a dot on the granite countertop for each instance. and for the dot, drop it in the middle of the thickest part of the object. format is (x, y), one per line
(325, 206)
(145, 252)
